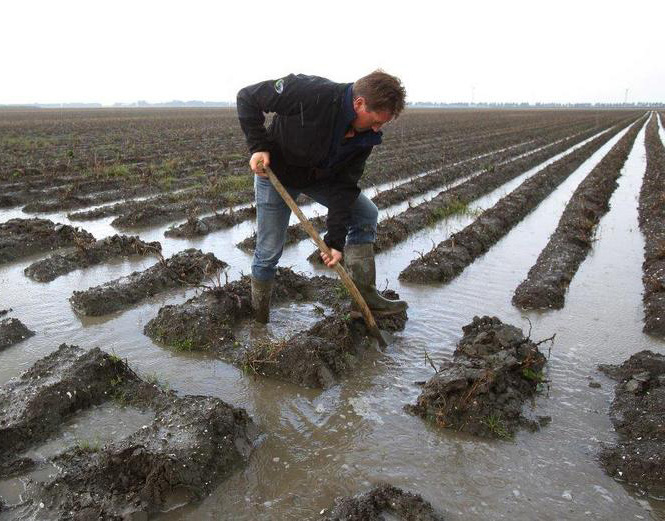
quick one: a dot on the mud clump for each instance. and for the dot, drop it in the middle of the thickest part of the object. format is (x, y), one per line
(23, 237)
(90, 254)
(319, 356)
(189, 267)
(383, 499)
(193, 443)
(638, 415)
(312, 358)
(494, 370)
(12, 331)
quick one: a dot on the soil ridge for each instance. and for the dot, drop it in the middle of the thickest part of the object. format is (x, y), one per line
(456, 200)
(651, 212)
(90, 254)
(449, 258)
(548, 279)
(197, 227)
(23, 237)
(186, 268)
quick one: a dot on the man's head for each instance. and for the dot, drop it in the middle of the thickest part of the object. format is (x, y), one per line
(378, 98)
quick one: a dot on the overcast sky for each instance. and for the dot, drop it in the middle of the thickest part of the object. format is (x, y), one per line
(129, 50)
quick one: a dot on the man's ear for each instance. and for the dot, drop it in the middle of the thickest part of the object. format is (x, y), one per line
(359, 103)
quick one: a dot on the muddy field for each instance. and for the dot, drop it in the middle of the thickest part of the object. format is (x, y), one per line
(134, 384)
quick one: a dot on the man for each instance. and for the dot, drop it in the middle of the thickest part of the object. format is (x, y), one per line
(317, 144)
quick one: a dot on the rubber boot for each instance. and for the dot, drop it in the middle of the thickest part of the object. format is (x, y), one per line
(359, 262)
(261, 291)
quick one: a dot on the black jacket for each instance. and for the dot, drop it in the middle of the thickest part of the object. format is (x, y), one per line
(299, 139)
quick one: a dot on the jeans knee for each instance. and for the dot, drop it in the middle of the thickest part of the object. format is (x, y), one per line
(365, 211)
(372, 214)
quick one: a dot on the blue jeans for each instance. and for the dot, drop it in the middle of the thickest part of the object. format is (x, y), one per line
(272, 220)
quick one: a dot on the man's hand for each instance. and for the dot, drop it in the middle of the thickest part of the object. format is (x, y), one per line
(332, 259)
(258, 161)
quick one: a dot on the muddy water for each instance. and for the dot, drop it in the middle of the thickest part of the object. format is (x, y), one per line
(322, 444)
(91, 429)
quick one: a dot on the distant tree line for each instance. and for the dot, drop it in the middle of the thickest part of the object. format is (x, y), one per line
(539, 105)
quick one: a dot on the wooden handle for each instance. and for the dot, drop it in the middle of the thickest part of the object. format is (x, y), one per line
(346, 279)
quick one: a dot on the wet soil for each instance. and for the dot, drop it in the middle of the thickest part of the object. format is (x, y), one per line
(165, 207)
(197, 227)
(652, 223)
(12, 331)
(398, 228)
(146, 214)
(313, 358)
(548, 280)
(90, 254)
(495, 369)
(638, 414)
(58, 187)
(23, 237)
(204, 322)
(449, 258)
(125, 207)
(187, 268)
(451, 173)
(71, 201)
(383, 499)
(33, 406)
(302, 422)
(193, 443)
(57, 193)
(431, 146)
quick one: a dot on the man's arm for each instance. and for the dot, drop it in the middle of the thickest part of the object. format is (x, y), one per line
(345, 191)
(283, 96)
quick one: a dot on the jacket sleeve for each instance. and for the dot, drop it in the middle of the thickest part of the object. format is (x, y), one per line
(282, 96)
(344, 192)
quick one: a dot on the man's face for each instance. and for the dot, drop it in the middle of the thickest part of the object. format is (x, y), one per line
(368, 119)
